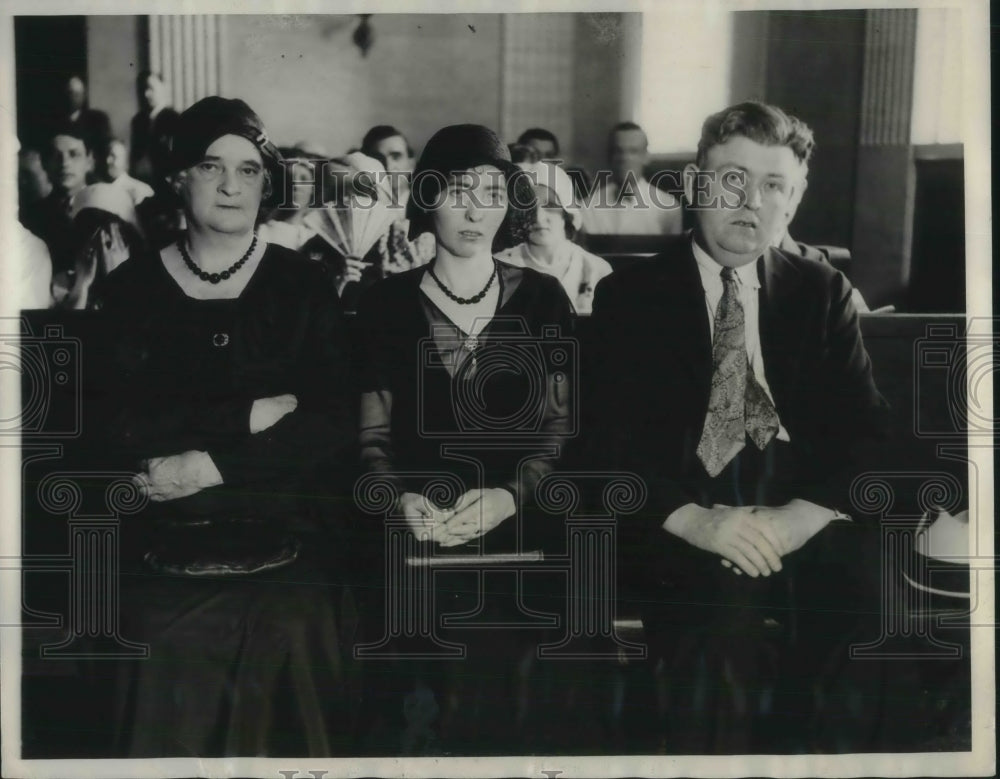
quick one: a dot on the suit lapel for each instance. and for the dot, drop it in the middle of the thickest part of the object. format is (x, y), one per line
(685, 317)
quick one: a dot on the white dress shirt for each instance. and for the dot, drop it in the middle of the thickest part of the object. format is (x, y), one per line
(137, 190)
(748, 284)
(650, 212)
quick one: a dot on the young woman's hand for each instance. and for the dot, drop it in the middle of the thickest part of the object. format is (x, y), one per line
(476, 513)
(422, 516)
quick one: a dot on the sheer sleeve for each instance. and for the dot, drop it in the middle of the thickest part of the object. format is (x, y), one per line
(553, 311)
(375, 358)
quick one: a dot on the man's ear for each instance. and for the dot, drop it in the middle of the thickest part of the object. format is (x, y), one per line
(798, 191)
(90, 162)
(690, 175)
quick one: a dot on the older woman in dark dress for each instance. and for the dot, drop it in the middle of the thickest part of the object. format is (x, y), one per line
(232, 396)
(460, 384)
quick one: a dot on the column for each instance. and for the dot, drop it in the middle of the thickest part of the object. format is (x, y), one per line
(187, 50)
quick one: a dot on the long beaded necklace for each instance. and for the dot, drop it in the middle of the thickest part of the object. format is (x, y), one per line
(215, 278)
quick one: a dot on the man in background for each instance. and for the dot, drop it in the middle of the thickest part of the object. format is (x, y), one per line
(542, 141)
(545, 144)
(152, 131)
(69, 161)
(390, 147)
(625, 203)
(118, 173)
(90, 122)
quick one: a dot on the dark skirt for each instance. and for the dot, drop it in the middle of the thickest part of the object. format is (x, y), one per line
(255, 665)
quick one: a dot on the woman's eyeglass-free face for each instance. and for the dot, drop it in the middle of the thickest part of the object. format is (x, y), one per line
(474, 206)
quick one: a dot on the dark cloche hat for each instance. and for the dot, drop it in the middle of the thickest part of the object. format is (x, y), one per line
(461, 147)
(208, 120)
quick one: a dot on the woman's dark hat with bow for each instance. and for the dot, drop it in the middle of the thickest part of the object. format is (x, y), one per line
(458, 148)
(208, 120)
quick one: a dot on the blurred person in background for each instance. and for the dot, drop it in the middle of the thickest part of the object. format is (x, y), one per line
(32, 181)
(69, 162)
(519, 153)
(152, 130)
(396, 252)
(542, 141)
(550, 248)
(117, 169)
(546, 146)
(33, 265)
(92, 123)
(286, 225)
(388, 144)
(105, 233)
(625, 203)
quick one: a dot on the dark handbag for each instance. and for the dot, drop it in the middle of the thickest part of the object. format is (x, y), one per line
(230, 546)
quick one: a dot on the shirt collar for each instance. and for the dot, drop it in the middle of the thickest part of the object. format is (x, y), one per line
(711, 271)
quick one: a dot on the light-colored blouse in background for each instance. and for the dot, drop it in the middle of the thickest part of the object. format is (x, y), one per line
(577, 270)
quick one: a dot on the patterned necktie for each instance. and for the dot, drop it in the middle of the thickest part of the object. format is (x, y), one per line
(737, 404)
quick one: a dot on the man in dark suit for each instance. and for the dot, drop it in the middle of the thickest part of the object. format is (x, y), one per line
(152, 131)
(69, 161)
(732, 378)
(92, 124)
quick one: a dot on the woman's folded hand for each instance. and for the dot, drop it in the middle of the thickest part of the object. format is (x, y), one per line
(177, 476)
(266, 412)
(476, 513)
(423, 517)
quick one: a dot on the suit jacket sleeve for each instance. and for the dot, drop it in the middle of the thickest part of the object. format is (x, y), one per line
(853, 412)
(614, 402)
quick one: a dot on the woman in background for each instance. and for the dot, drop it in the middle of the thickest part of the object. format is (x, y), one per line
(106, 233)
(550, 248)
(286, 225)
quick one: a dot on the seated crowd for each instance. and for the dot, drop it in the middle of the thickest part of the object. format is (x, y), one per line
(727, 374)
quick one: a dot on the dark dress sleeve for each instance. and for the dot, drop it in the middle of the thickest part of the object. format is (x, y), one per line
(551, 309)
(136, 422)
(375, 329)
(321, 429)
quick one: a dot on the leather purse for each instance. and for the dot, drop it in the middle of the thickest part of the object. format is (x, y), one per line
(230, 546)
